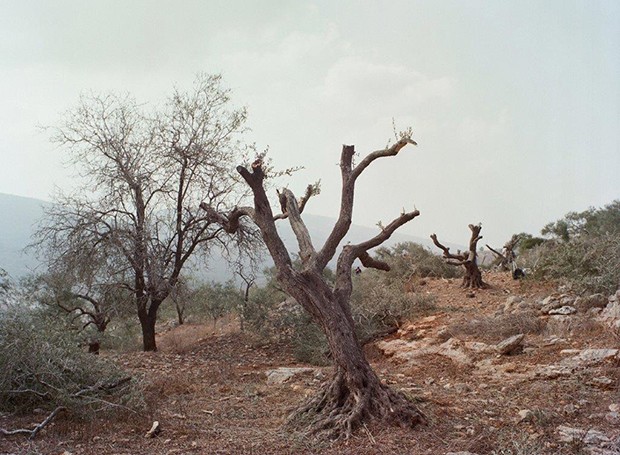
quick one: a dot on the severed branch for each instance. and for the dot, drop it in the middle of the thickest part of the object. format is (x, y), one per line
(349, 177)
(351, 252)
(299, 227)
(371, 263)
(390, 151)
(386, 232)
(461, 258)
(229, 222)
(311, 190)
(33, 433)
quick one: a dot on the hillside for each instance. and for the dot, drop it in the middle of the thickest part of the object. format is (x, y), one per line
(21, 215)
(552, 392)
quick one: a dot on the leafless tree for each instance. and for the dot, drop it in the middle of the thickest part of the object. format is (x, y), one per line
(468, 259)
(355, 394)
(143, 174)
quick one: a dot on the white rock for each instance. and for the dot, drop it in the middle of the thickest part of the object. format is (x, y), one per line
(564, 311)
(590, 437)
(509, 345)
(525, 415)
(283, 374)
(592, 356)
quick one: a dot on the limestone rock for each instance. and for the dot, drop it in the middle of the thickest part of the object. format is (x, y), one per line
(510, 345)
(589, 437)
(611, 313)
(593, 356)
(283, 374)
(526, 415)
(564, 311)
(583, 304)
(602, 382)
(550, 303)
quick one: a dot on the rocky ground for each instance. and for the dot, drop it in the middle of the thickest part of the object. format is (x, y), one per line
(519, 368)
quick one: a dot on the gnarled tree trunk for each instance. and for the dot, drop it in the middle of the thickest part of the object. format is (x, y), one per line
(468, 259)
(355, 394)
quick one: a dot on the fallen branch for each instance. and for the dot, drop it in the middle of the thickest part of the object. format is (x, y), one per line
(33, 433)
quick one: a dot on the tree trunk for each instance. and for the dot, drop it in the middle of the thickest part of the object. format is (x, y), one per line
(355, 394)
(473, 276)
(180, 311)
(147, 323)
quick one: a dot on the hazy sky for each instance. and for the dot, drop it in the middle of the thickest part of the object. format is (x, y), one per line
(515, 104)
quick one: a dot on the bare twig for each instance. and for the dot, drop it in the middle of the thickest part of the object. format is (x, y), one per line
(33, 433)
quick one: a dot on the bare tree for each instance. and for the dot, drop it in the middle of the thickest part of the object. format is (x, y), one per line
(468, 259)
(355, 394)
(144, 173)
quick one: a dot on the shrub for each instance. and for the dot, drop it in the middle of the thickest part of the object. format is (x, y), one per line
(410, 259)
(588, 263)
(42, 366)
(380, 304)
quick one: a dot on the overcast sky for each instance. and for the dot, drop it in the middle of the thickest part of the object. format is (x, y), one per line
(515, 104)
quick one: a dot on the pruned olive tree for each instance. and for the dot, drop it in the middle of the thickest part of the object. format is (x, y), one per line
(355, 394)
(468, 259)
(144, 172)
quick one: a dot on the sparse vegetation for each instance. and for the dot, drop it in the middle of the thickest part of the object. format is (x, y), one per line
(494, 329)
(43, 366)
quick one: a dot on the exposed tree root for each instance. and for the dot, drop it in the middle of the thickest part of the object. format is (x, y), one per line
(339, 409)
(474, 282)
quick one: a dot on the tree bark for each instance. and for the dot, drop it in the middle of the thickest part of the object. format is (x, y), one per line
(467, 259)
(148, 319)
(355, 394)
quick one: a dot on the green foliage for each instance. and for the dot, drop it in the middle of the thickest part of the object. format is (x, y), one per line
(584, 251)
(217, 299)
(590, 222)
(528, 241)
(410, 259)
(590, 263)
(204, 301)
(42, 366)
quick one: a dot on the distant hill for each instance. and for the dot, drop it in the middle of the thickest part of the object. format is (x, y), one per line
(20, 215)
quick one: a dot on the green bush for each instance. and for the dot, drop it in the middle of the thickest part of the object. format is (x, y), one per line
(589, 264)
(43, 366)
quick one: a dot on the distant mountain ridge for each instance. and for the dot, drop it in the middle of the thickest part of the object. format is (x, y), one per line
(21, 214)
(17, 224)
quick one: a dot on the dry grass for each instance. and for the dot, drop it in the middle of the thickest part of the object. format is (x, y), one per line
(495, 329)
